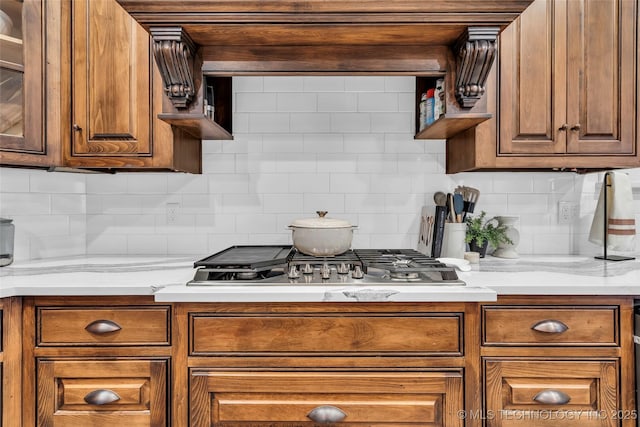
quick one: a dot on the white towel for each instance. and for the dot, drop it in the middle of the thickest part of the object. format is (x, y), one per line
(621, 219)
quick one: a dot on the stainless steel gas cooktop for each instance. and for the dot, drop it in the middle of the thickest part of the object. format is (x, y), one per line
(281, 265)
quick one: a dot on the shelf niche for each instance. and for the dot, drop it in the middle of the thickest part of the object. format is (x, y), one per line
(455, 119)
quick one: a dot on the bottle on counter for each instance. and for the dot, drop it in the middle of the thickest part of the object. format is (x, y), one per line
(438, 99)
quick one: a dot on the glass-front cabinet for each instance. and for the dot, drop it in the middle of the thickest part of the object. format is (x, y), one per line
(23, 81)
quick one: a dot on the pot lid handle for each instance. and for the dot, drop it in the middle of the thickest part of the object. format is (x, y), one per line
(322, 214)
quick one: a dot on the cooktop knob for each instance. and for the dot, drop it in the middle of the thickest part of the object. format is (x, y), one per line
(325, 271)
(342, 268)
(357, 272)
(307, 269)
(293, 272)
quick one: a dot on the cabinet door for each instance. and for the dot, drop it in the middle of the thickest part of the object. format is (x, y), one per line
(602, 77)
(551, 393)
(111, 81)
(298, 398)
(102, 393)
(532, 81)
(21, 81)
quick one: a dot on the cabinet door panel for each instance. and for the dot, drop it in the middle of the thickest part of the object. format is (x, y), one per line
(532, 70)
(288, 398)
(517, 393)
(112, 100)
(601, 99)
(133, 392)
(21, 76)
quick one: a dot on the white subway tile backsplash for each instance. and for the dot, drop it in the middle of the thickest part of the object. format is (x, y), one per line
(391, 122)
(323, 143)
(350, 122)
(269, 123)
(24, 204)
(297, 102)
(323, 84)
(310, 122)
(350, 183)
(377, 102)
(308, 183)
(332, 203)
(364, 83)
(333, 102)
(284, 84)
(344, 144)
(68, 204)
(400, 84)
(255, 102)
(45, 182)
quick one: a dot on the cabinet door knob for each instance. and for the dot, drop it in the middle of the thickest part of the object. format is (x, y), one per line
(576, 126)
(101, 397)
(77, 128)
(564, 126)
(326, 414)
(550, 326)
(102, 326)
(552, 397)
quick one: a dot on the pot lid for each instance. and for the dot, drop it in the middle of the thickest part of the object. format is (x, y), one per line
(321, 222)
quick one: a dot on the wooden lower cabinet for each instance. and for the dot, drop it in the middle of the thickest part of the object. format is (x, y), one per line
(233, 398)
(102, 393)
(535, 392)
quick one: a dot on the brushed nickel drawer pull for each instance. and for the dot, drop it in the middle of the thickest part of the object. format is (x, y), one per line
(101, 397)
(552, 397)
(550, 326)
(326, 414)
(564, 126)
(102, 326)
(575, 127)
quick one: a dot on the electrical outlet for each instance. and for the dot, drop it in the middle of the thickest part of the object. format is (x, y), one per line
(172, 212)
(567, 213)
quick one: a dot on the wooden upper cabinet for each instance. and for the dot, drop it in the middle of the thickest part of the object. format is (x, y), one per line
(567, 79)
(112, 94)
(117, 93)
(26, 46)
(601, 40)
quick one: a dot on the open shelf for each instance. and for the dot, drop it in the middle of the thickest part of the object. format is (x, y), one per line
(197, 125)
(450, 125)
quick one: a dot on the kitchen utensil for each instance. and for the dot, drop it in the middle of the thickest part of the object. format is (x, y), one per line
(321, 236)
(458, 206)
(450, 208)
(440, 198)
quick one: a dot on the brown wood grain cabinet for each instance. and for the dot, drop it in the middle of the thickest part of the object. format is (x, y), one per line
(116, 96)
(30, 89)
(546, 362)
(103, 361)
(565, 92)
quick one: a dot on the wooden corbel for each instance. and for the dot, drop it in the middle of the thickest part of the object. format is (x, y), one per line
(475, 51)
(174, 50)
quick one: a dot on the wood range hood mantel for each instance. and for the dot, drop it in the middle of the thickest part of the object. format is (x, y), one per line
(315, 37)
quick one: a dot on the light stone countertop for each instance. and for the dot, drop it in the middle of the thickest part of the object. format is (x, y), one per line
(165, 278)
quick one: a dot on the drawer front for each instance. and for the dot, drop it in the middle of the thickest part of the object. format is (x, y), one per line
(338, 333)
(102, 393)
(550, 326)
(115, 326)
(308, 398)
(551, 393)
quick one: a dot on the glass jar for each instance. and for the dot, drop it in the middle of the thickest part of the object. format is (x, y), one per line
(7, 232)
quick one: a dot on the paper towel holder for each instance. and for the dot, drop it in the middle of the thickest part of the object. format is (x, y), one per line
(606, 183)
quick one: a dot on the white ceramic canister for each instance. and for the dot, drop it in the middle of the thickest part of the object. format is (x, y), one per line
(453, 244)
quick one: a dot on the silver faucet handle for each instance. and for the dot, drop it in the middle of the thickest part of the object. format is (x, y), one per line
(357, 272)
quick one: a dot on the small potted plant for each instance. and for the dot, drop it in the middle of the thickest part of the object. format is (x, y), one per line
(481, 232)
